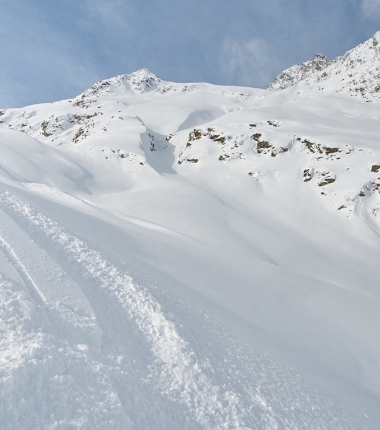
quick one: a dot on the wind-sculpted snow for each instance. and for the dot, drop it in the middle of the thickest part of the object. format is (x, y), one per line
(144, 365)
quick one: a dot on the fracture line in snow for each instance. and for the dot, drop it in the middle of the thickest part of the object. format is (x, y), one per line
(179, 373)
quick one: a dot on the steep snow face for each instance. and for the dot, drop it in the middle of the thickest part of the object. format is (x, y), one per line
(357, 72)
(130, 212)
(325, 149)
(330, 144)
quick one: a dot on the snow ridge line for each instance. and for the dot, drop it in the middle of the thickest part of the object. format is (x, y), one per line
(179, 374)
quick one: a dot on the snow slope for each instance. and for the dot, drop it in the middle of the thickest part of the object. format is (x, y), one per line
(191, 256)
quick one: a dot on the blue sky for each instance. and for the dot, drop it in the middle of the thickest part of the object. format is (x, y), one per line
(52, 50)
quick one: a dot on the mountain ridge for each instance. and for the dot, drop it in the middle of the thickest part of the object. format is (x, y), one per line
(358, 67)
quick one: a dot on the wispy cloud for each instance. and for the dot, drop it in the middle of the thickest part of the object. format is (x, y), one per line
(246, 63)
(371, 8)
(42, 65)
(115, 15)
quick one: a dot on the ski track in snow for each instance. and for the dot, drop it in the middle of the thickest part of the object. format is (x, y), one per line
(46, 280)
(180, 375)
(166, 367)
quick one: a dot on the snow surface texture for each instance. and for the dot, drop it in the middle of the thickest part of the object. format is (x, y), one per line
(193, 256)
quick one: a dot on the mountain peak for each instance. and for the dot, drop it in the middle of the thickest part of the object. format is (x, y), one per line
(142, 74)
(376, 38)
(142, 81)
(299, 72)
(139, 82)
(356, 72)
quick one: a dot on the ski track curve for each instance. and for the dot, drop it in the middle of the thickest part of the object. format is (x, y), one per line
(48, 283)
(174, 370)
(177, 372)
(45, 381)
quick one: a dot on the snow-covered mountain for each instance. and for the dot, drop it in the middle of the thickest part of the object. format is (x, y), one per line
(357, 72)
(194, 256)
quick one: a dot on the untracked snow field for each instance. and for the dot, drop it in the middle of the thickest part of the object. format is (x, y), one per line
(190, 257)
